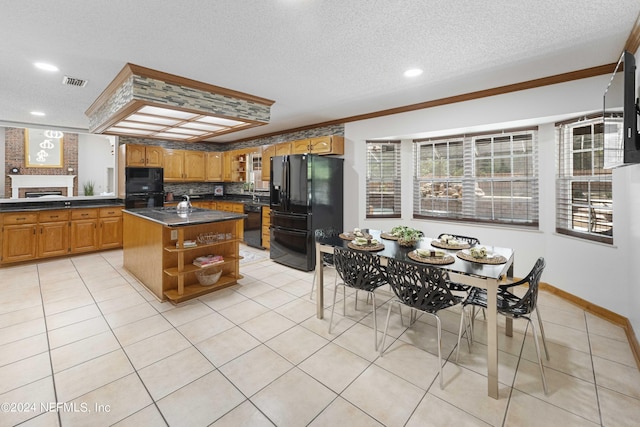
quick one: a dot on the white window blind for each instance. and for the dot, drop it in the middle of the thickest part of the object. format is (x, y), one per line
(584, 196)
(488, 178)
(383, 179)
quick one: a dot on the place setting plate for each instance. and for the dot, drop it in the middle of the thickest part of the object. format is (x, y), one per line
(445, 245)
(388, 236)
(350, 235)
(373, 246)
(436, 260)
(490, 258)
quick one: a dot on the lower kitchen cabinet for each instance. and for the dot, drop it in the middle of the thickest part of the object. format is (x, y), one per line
(84, 230)
(34, 235)
(266, 223)
(19, 242)
(110, 228)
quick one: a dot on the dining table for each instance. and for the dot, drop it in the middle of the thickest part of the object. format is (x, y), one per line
(465, 271)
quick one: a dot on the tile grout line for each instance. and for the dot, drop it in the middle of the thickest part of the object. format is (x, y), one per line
(121, 347)
(46, 331)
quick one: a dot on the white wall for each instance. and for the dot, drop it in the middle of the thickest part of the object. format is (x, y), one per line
(599, 273)
(94, 158)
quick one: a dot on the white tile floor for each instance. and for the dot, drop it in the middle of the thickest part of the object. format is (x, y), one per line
(83, 344)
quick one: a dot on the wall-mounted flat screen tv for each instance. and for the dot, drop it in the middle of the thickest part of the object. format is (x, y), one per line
(621, 115)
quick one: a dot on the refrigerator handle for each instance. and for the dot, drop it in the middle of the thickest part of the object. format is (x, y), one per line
(285, 183)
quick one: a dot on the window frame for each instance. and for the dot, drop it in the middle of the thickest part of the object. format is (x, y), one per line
(596, 213)
(469, 192)
(389, 183)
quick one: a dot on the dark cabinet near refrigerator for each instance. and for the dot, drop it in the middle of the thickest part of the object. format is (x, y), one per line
(306, 195)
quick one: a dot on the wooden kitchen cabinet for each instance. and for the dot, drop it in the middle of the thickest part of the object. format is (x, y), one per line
(19, 238)
(110, 228)
(283, 148)
(143, 155)
(226, 166)
(319, 145)
(268, 151)
(84, 230)
(213, 167)
(183, 165)
(53, 233)
(28, 236)
(266, 223)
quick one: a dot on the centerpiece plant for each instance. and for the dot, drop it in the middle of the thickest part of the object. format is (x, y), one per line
(407, 236)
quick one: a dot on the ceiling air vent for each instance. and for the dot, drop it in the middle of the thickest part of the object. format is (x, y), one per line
(72, 81)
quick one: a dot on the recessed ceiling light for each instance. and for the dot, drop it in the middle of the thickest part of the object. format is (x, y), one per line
(46, 67)
(414, 72)
(37, 113)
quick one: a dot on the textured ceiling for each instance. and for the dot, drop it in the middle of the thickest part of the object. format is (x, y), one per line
(320, 60)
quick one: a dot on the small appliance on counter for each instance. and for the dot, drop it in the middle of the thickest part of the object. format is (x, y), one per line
(144, 187)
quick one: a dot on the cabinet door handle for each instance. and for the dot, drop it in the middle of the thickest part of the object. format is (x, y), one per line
(54, 216)
(21, 219)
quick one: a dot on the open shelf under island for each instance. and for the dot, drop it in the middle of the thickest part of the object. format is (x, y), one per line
(154, 249)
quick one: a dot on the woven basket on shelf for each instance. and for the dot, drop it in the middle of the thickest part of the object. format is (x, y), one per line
(208, 276)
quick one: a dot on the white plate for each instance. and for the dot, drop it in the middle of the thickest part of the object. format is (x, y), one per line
(373, 242)
(489, 254)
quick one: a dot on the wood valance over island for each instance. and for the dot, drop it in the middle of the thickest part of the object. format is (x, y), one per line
(154, 249)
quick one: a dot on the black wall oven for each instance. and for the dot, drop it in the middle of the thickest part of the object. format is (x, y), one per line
(144, 188)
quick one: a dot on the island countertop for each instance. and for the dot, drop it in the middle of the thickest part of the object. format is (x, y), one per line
(170, 217)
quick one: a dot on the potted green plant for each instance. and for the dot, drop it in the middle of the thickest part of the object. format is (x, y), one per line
(88, 188)
(407, 236)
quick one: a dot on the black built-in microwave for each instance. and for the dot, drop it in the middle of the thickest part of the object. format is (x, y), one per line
(144, 180)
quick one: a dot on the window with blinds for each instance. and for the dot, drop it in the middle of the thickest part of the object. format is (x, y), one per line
(584, 196)
(383, 179)
(488, 178)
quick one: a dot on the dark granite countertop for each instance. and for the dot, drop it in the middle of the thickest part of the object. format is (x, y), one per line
(171, 218)
(32, 205)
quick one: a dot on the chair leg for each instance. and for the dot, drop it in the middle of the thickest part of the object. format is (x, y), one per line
(439, 350)
(375, 321)
(544, 339)
(463, 320)
(313, 284)
(386, 326)
(535, 340)
(333, 307)
(356, 300)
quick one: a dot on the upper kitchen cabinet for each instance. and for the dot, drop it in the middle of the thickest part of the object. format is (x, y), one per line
(268, 151)
(142, 155)
(213, 167)
(184, 165)
(319, 145)
(283, 148)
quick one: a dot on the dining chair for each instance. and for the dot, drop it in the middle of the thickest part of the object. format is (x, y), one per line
(327, 259)
(512, 306)
(473, 241)
(423, 288)
(359, 270)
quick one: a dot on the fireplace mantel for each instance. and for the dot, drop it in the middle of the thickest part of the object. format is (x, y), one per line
(40, 181)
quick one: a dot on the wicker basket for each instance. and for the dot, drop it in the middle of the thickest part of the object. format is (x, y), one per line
(209, 276)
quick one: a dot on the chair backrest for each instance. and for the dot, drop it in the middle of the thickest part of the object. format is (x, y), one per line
(423, 287)
(359, 269)
(321, 233)
(470, 240)
(528, 302)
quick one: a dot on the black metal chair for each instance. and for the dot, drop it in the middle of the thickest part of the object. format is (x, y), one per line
(424, 288)
(455, 286)
(327, 259)
(361, 271)
(516, 307)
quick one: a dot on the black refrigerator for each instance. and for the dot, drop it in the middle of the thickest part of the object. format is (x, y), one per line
(306, 195)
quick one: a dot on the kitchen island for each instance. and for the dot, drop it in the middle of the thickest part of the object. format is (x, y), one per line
(160, 245)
